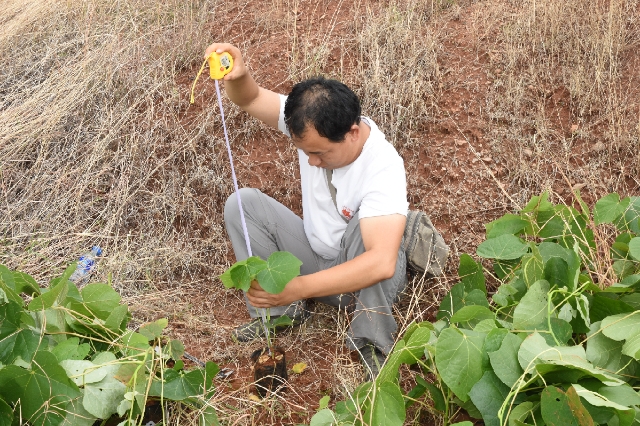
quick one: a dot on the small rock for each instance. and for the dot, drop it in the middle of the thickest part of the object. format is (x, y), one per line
(574, 128)
(528, 152)
(460, 142)
(598, 147)
(487, 159)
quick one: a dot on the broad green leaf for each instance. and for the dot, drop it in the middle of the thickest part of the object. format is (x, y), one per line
(504, 247)
(99, 300)
(631, 346)
(507, 224)
(485, 326)
(281, 268)
(563, 409)
(324, 402)
(624, 268)
(609, 208)
(460, 359)
(387, 407)
(16, 340)
(625, 414)
(175, 348)
(603, 305)
(494, 339)
(55, 295)
(118, 319)
(134, 343)
(472, 315)
(242, 273)
(623, 395)
(464, 423)
(567, 361)
(471, 274)
(520, 413)
(621, 326)
(506, 269)
(603, 352)
(71, 349)
(535, 350)
(153, 330)
(487, 395)
(504, 361)
(634, 248)
(532, 312)
(571, 371)
(324, 417)
(44, 391)
(629, 220)
(532, 267)
(457, 298)
(83, 372)
(208, 417)
(77, 415)
(619, 251)
(538, 203)
(179, 386)
(8, 285)
(6, 413)
(24, 283)
(632, 300)
(551, 223)
(102, 398)
(556, 272)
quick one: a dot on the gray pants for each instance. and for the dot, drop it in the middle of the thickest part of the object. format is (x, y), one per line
(273, 227)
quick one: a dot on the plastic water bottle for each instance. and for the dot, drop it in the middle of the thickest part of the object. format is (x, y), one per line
(86, 266)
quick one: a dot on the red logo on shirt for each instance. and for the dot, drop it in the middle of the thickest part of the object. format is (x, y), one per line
(347, 212)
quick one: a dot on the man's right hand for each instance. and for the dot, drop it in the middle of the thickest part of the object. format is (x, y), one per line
(243, 91)
(239, 69)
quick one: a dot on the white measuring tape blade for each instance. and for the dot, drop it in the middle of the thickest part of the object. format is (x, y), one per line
(261, 311)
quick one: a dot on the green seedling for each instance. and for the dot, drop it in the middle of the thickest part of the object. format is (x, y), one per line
(273, 275)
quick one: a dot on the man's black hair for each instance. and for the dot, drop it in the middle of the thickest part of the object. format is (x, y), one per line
(327, 105)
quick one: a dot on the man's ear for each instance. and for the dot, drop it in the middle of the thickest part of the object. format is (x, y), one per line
(354, 133)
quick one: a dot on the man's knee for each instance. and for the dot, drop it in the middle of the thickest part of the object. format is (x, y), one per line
(247, 195)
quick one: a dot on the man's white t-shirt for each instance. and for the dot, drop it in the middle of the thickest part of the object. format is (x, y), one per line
(374, 185)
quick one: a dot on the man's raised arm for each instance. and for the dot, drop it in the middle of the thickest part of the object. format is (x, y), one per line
(243, 91)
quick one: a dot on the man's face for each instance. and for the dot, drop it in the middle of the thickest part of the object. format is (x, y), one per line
(324, 153)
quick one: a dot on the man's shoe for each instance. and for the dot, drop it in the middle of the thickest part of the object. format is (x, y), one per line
(372, 360)
(254, 329)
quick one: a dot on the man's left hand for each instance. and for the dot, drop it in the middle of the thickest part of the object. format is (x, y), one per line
(261, 299)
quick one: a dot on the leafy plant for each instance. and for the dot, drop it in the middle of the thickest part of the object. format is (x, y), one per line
(67, 357)
(273, 275)
(559, 344)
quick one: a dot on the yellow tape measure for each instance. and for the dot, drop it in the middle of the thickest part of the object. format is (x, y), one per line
(220, 65)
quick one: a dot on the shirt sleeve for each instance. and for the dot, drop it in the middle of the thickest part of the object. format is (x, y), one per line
(386, 191)
(281, 124)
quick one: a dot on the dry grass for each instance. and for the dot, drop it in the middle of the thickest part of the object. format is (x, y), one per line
(564, 96)
(98, 144)
(94, 149)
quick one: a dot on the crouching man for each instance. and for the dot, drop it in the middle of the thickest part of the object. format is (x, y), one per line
(354, 204)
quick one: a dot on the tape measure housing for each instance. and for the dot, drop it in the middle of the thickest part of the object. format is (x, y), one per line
(220, 65)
